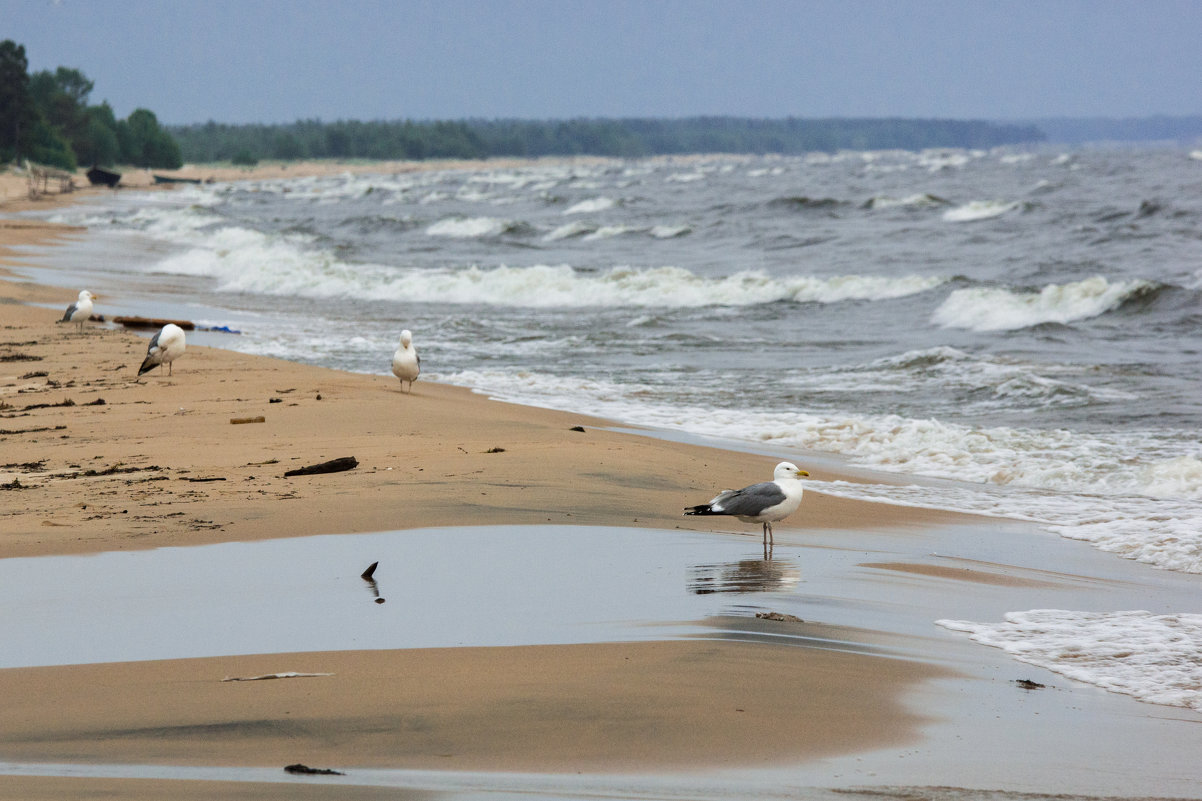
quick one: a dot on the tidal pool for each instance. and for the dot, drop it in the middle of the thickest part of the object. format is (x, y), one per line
(480, 586)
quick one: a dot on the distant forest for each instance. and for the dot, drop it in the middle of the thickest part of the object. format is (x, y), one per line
(627, 138)
(1078, 130)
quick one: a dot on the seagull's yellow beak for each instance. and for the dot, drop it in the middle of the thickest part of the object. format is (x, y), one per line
(802, 473)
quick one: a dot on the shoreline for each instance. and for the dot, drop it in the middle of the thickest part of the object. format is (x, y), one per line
(157, 462)
(160, 464)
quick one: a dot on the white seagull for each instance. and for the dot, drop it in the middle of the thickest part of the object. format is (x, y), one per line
(166, 347)
(80, 310)
(406, 364)
(766, 502)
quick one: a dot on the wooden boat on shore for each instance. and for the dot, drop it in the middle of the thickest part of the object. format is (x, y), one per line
(98, 176)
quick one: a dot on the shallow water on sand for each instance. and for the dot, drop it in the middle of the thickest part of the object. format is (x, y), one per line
(865, 591)
(487, 586)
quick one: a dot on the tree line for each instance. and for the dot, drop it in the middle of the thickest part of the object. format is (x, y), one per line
(46, 118)
(628, 138)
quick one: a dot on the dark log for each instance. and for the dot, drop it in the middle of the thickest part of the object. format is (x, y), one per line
(332, 466)
(153, 322)
(305, 770)
(367, 574)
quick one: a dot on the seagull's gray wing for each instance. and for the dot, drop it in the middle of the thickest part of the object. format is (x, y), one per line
(70, 311)
(749, 501)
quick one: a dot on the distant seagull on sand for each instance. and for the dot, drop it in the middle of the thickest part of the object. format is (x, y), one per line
(406, 364)
(80, 310)
(766, 502)
(166, 347)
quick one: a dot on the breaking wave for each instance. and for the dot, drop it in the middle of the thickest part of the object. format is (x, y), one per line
(241, 260)
(980, 210)
(990, 309)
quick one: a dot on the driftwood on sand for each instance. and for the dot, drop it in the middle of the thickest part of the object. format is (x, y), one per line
(332, 466)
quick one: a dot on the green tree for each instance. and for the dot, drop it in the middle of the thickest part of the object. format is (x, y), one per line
(17, 110)
(62, 99)
(98, 144)
(144, 143)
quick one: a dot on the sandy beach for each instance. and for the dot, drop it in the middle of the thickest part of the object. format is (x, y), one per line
(94, 459)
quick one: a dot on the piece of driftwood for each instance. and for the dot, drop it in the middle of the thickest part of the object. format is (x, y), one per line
(367, 574)
(305, 770)
(237, 421)
(153, 322)
(332, 466)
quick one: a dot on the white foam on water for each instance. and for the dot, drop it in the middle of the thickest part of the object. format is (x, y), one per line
(469, 227)
(993, 309)
(919, 200)
(670, 231)
(980, 210)
(979, 384)
(610, 231)
(570, 230)
(591, 206)
(1135, 494)
(279, 264)
(1154, 657)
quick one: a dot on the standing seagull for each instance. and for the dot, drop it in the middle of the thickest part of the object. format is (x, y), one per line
(166, 347)
(80, 310)
(765, 502)
(406, 364)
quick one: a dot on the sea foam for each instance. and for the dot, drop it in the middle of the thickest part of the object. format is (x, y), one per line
(469, 227)
(990, 309)
(980, 210)
(591, 206)
(1154, 657)
(242, 260)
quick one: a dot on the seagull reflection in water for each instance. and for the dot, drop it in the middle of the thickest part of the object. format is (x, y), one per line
(747, 575)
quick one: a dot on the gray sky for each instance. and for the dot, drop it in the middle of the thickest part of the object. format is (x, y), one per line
(244, 61)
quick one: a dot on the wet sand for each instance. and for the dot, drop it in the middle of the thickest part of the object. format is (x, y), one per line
(159, 463)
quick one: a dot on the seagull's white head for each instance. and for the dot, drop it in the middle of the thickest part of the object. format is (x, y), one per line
(406, 338)
(788, 470)
(85, 295)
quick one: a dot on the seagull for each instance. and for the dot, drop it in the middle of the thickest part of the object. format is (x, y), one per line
(80, 310)
(406, 364)
(166, 347)
(766, 502)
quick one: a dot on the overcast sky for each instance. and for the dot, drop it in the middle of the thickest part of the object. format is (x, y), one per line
(241, 61)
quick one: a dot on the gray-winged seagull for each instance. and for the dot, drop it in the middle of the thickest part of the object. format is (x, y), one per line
(766, 502)
(80, 310)
(166, 347)
(406, 364)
